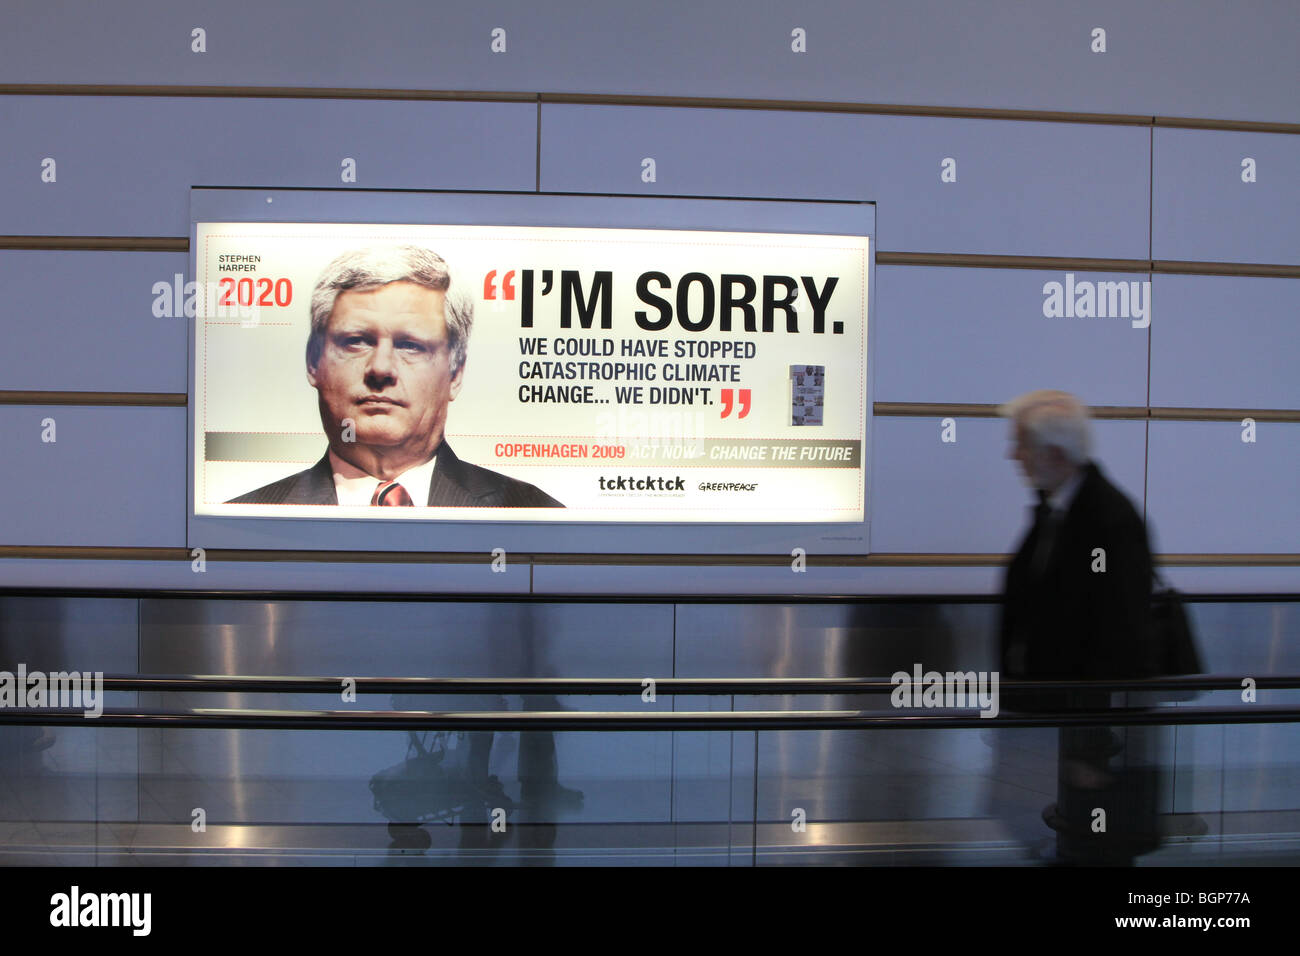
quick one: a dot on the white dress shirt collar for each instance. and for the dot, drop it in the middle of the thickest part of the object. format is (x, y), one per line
(355, 487)
(1061, 499)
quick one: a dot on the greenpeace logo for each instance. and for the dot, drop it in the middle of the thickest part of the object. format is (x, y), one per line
(951, 689)
(727, 486)
(1102, 300)
(74, 908)
(67, 689)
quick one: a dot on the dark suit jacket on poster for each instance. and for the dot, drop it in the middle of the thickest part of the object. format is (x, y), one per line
(1072, 622)
(455, 484)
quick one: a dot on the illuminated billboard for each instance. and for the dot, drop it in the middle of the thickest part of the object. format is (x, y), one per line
(388, 371)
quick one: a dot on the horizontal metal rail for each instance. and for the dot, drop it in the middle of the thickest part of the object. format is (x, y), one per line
(289, 596)
(951, 718)
(691, 686)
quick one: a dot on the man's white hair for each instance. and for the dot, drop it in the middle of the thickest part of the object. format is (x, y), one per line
(1053, 419)
(363, 270)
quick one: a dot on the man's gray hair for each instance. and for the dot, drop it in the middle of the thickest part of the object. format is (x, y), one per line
(363, 270)
(1053, 419)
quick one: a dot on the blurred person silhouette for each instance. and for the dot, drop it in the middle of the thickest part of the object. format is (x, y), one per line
(1076, 606)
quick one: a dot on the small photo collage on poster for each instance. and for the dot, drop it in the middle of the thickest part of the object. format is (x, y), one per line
(807, 391)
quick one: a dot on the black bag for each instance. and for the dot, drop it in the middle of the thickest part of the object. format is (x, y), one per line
(1174, 651)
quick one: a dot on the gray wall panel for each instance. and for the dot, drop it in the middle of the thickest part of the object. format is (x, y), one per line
(1249, 639)
(81, 634)
(1186, 58)
(980, 335)
(1201, 209)
(1021, 188)
(1226, 342)
(862, 640)
(932, 496)
(84, 321)
(1210, 491)
(113, 476)
(437, 639)
(125, 164)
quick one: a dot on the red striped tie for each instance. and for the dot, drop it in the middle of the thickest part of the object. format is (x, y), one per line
(390, 493)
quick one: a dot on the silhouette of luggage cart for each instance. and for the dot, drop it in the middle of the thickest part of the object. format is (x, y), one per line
(434, 785)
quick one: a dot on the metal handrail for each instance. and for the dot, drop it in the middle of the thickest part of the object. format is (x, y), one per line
(689, 686)
(953, 718)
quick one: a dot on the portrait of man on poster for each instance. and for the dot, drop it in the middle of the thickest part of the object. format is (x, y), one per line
(386, 355)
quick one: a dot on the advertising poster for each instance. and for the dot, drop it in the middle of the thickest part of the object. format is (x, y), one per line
(399, 372)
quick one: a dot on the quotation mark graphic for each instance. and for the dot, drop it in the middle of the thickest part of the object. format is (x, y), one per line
(507, 285)
(728, 401)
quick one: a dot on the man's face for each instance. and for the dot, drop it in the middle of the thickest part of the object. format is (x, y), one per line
(386, 364)
(1041, 466)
